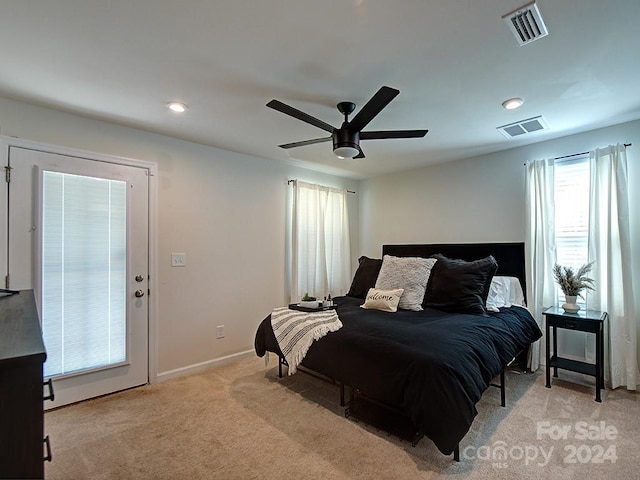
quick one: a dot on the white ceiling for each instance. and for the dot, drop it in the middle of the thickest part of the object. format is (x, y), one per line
(454, 62)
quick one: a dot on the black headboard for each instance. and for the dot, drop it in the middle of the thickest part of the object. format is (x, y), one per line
(510, 256)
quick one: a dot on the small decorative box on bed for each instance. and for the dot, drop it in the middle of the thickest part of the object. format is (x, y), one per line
(430, 351)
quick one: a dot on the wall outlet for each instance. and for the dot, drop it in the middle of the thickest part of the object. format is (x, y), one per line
(178, 259)
(220, 331)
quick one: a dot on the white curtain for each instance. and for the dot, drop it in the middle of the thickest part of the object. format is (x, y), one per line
(540, 244)
(321, 258)
(610, 249)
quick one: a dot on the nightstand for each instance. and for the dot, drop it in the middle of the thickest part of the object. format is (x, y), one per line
(588, 321)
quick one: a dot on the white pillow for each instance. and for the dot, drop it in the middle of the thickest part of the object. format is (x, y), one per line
(408, 273)
(504, 292)
(385, 300)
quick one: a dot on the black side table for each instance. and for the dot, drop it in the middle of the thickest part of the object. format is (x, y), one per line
(589, 321)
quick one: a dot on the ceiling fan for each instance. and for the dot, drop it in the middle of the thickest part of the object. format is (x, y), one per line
(346, 139)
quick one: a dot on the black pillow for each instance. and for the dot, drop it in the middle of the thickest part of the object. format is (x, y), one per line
(365, 277)
(460, 286)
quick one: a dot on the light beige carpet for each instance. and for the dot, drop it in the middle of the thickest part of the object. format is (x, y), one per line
(240, 421)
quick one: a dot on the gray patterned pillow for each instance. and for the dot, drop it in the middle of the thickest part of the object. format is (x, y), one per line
(409, 273)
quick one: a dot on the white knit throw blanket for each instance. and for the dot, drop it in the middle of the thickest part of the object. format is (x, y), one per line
(295, 331)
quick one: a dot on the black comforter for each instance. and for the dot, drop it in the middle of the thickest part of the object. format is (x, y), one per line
(433, 365)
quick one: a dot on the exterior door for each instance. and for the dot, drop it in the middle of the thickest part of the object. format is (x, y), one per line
(78, 235)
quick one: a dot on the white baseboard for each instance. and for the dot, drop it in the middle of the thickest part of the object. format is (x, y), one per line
(218, 362)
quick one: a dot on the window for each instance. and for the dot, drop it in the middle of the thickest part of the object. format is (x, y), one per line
(83, 272)
(574, 196)
(321, 258)
(572, 211)
(571, 195)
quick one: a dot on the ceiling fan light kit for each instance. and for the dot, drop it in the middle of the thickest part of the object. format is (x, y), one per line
(346, 144)
(346, 151)
(346, 139)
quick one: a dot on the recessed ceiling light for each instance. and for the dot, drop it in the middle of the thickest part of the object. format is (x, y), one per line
(178, 107)
(512, 103)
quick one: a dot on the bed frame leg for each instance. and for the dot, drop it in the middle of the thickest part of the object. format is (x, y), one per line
(456, 453)
(279, 367)
(503, 388)
(349, 404)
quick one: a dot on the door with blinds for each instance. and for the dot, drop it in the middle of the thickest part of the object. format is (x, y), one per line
(78, 236)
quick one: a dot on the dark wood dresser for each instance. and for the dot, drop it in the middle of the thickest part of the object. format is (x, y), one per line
(22, 355)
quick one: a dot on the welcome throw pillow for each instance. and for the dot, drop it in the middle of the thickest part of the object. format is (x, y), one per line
(385, 300)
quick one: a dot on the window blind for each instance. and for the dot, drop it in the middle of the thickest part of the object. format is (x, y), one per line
(571, 185)
(83, 272)
(572, 211)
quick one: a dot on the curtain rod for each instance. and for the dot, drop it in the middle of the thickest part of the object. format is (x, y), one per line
(578, 154)
(581, 153)
(291, 181)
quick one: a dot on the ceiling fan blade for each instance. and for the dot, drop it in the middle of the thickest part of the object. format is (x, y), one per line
(392, 134)
(361, 154)
(305, 142)
(372, 108)
(295, 113)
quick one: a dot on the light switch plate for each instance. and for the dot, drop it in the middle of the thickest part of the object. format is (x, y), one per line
(178, 259)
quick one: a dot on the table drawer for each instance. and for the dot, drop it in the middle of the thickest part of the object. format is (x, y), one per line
(577, 323)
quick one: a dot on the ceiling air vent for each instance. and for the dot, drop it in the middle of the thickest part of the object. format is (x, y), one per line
(523, 127)
(526, 24)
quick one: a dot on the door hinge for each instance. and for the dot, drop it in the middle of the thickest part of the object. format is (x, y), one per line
(6, 281)
(7, 173)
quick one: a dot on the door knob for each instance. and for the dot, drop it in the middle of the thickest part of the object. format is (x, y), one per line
(139, 293)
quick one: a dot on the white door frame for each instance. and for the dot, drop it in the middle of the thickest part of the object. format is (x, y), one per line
(6, 142)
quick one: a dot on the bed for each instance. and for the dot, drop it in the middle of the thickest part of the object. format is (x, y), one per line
(432, 364)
